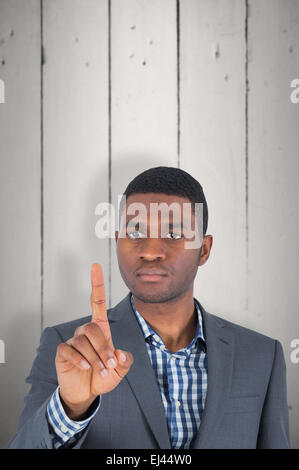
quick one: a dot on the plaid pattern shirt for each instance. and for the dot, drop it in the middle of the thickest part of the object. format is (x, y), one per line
(182, 381)
(63, 430)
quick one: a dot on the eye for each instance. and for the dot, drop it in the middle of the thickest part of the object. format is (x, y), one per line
(176, 236)
(133, 236)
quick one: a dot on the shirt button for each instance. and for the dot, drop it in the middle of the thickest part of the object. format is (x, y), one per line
(63, 428)
(177, 403)
(173, 358)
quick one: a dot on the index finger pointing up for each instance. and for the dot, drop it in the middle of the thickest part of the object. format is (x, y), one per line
(98, 300)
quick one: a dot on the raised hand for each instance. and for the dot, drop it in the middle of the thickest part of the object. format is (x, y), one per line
(87, 364)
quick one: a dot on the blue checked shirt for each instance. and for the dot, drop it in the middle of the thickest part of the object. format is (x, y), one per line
(182, 381)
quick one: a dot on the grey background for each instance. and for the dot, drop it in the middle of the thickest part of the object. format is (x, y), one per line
(97, 91)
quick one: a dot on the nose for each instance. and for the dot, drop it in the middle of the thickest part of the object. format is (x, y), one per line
(152, 249)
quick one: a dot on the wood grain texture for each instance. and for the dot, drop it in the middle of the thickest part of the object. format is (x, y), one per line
(75, 152)
(213, 142)
(273, 179)
(144, 96)
(19, 203)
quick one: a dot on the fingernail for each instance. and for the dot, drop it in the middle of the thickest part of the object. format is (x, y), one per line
(111, 363)
(104, 372)
(85, 364)
(123, 357)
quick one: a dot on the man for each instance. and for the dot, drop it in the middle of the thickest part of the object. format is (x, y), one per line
(157, 370)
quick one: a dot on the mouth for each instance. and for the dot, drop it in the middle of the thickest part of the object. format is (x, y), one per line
(151, 276)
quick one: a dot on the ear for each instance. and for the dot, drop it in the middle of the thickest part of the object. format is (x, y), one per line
(205, 249)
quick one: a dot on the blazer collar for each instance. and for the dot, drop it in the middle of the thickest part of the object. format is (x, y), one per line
(220, 355)
(127, 335)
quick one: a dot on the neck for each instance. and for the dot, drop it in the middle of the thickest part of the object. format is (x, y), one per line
(175, 321)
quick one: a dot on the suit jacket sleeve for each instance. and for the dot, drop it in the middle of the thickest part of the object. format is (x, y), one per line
(274, 424)
(34, 431)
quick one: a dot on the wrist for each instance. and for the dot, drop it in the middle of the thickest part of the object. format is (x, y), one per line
(78, 411)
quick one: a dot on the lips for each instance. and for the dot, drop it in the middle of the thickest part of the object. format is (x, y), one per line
(151, 275)
(151, 272)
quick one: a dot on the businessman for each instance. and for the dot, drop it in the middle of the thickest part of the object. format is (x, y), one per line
(157, 370)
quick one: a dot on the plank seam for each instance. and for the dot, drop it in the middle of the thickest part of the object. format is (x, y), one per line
(246, 139)
(42, 59)
(109, 141)
(178, 34)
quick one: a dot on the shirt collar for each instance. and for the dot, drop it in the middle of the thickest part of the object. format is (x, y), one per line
(150, 333)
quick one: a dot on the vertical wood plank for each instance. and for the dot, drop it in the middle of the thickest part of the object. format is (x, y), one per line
(213, 142)
(75, 152)
(144, 96)
(273, 179)
(19, 204)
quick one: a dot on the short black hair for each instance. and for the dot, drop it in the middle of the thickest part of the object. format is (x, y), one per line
(172, 181)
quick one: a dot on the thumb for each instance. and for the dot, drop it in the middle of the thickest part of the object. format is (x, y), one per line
(124, 361)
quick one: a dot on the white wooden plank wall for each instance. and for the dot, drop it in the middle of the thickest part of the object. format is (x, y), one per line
(273, 138)
(75, 141)
(20, 282)
(144, 96)
(126, 85)
(212, 142)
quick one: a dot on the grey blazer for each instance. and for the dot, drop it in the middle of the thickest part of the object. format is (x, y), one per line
(246, 402)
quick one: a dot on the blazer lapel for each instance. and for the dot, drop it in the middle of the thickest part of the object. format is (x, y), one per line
(127, 335)
(220, 352)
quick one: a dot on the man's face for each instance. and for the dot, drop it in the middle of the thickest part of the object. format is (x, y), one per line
(140, 256)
